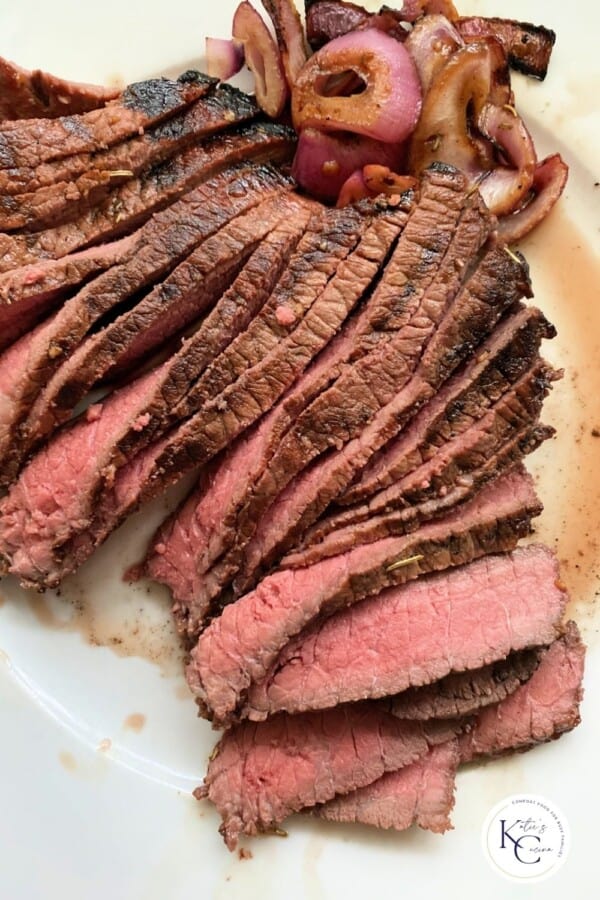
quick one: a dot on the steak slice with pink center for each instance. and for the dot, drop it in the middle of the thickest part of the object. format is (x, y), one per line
(420, 794)
(261, 773)
(417, 633)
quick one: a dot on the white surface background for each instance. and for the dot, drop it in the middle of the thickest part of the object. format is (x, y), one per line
(87, 823)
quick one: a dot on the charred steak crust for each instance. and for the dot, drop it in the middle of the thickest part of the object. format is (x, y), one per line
(131, 204)
(30, 143)
(61, 191)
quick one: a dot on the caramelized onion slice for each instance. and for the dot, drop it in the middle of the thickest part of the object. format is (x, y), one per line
(262, 58)
(224, 59)
(290, 36)
(325, 160)
(549, 182)
(505, 188)
(471, 78)
(431, 43)
(388, 107)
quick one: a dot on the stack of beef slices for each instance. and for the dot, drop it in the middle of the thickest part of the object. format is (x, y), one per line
(346, 572)
(356, 390)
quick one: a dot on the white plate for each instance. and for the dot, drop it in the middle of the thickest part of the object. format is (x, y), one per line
(99, 744)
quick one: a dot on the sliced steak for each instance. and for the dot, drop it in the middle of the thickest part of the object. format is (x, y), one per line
(353, 248)
(420, 794)
(505, 356)
(233, 313)
(541, 710)
(212, 112)
(130, 205)
(260, 774)
(188, 292)
(460, 460)
(423, 273)
(76, 186)
(189, 543)
(239, 647)
(28, 293)
(27, 144)
(416, 633)
(465, 693)
(527, 46)
(164, 242)
(25, 94)
(495, 286)
(270, 432)
(316, 547)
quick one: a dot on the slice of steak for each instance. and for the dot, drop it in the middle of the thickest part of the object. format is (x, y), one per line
(133, 203)
(164, 242)
(420, 794)
(447, 228)
(31, 292)
(527, 46)
(460, 459)
(188, 292)
(239, 648)
(259, 774)
(212, 112)
(25, 94)
(72, 192)
(504, 357)
(465, 693)
(497, 284)
(29, 143)
(415, 634)
(316, 547)
(541, 710)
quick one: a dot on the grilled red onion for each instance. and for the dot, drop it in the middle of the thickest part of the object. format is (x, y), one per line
(431, 43)
(224, 59)
(388, 107)
(290, 36)
(504, 188)
(262, 58)
(474, 76)
(549, 182)
(325, 160)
